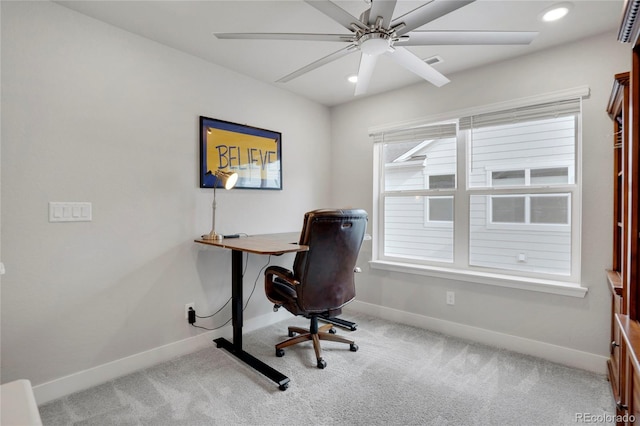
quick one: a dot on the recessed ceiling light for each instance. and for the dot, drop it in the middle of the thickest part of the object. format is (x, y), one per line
(555, 12)
(353, 79)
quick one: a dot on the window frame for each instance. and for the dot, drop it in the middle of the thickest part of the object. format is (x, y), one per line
(567, 285)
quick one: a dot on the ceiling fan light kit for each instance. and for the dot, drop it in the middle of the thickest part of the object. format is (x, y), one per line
(375, 43)
(377, 33)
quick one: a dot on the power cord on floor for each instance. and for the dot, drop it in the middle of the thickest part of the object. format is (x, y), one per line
(255, 283)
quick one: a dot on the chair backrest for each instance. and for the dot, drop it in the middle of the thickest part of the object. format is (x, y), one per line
(326, 271)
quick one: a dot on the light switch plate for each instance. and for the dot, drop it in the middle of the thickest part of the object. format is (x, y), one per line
(70, 212)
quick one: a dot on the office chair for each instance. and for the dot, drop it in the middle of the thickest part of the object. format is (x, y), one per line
(322, 279)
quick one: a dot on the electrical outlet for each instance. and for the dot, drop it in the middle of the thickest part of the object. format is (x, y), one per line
(186, 309)
(451, 298)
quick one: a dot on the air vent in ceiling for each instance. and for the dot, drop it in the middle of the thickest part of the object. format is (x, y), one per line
(434, 60)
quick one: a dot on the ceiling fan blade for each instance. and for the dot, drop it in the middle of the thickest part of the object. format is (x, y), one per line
(383, 8)
(416, 65)
(336, 13)
(367, 63)
(427, 13)
(285, 36)
(431, 38)
(320, 62)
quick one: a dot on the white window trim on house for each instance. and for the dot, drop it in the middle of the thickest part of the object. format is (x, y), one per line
(519, 280)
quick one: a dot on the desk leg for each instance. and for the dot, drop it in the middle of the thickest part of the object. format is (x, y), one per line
(235, 348)
(236, 297)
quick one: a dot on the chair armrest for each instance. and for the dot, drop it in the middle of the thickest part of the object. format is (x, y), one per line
(282, 273)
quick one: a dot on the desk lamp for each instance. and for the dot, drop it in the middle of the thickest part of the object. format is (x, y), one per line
(228, 180)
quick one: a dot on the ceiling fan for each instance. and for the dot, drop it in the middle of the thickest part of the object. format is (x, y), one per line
(377, 33)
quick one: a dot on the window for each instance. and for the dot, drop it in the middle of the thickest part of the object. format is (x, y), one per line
(549, 176)
(549, 209)
(530, 209)
(508, 209)
(507, 178)
(442, 181)
(440, 209)
(492, 192)
(419, 181)
(542, 176)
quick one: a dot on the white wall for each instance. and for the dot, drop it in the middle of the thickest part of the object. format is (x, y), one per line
(93, 113)
(581, 324)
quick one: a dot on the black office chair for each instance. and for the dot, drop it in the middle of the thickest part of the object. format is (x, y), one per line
(322, 280)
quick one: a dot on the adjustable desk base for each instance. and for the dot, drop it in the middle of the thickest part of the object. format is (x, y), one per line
(264, 245)
(255, 363)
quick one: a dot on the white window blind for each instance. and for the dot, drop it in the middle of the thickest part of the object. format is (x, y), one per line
(417, 134)
(517, 115)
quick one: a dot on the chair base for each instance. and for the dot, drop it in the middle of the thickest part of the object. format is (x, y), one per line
(341, 322)
(325, 332)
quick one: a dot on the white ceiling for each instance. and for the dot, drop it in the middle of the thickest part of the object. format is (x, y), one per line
(189, 26)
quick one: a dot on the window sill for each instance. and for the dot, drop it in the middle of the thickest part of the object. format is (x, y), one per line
(522, 283)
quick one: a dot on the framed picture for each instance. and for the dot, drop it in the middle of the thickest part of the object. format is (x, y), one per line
(254, 153)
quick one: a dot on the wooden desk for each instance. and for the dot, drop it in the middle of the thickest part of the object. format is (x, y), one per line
(256, 244)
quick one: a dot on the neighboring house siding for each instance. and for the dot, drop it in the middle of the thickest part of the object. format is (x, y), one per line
(407, 235)
(441, 157)
(547, 251)
(516, 147)
(408, 177)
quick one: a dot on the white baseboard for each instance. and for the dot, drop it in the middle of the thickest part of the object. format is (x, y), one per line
(548, 351)
(85, 379)
(75, 382)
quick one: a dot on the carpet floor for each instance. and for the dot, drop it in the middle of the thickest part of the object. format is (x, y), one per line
(401, 375)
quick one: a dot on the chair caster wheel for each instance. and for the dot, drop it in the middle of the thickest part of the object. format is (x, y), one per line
(353, 327)
(279, 353)
(284, 386)
(353, 347)
(322, 363)
(332, 330)
(292, 333)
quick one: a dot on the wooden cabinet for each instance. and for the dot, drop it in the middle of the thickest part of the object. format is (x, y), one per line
(624, 110)
(618, 110)
(613, 364)
(628, 408)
